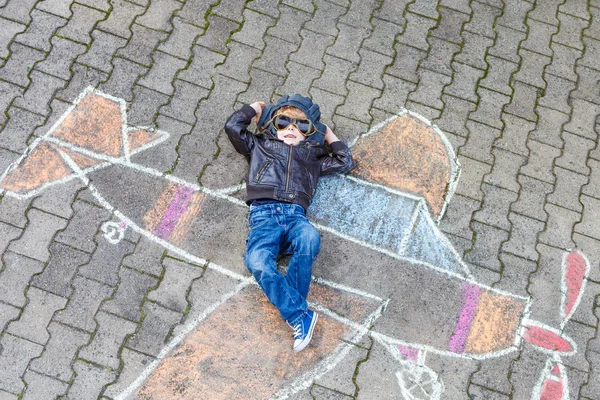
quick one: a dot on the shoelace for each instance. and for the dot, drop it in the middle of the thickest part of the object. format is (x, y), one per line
(297, 330)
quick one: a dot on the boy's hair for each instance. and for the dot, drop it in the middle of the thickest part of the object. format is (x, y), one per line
(291, 111)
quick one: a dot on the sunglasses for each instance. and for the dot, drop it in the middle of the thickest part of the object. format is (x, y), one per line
(305, 126)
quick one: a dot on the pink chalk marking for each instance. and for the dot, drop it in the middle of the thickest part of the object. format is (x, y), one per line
(546, 339)
(575, 272)
(177, 207)
(409, 353)
(458, 340)
(552, 388)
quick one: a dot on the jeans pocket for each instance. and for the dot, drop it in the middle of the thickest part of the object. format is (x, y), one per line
(256, 221)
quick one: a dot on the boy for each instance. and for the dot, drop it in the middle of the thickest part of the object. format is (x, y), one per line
(286, 158)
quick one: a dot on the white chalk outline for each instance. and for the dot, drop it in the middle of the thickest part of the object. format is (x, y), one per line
(546, 374)
(564, 290)
(528, 322)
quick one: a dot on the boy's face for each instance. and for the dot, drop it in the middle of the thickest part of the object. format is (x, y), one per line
(290, 135)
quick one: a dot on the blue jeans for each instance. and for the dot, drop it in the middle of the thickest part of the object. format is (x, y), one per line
(275, 229)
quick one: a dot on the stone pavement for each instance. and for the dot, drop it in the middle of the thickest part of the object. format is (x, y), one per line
(514, 85)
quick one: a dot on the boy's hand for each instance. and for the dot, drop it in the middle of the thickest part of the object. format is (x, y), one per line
(258, 107)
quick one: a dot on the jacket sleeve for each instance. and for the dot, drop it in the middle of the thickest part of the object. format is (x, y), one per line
(235, 127)
(340, 161)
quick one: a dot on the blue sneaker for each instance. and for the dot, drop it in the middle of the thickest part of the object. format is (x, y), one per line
(303, 330)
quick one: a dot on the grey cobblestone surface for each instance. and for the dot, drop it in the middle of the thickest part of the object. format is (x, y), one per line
(514, 84)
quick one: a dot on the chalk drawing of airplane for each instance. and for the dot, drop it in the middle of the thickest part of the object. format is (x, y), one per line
(390, 205)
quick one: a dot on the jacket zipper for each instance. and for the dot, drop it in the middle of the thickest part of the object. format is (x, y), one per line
(287, 181)
(261, 171)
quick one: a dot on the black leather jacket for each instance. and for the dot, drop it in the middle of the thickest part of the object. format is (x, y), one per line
(279, 171)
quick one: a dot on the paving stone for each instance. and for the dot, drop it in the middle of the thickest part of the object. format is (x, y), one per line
(593, 30)
(40, 30)
(499, 75)
(559, 226)
(156, 328)
(312, 50)
(22, 60)
(514, 15)
(588, 86)
(459, 5)
(563, 62)
(231, 9)
(583, 118)
(538, 40)
(391, 11)
(423, 110)
(486, 247)
(532, 197)
(570, 31)
(122, 78)
(496, 204)
(329, 102)
(254, 28)
(406, 62)
(13, 210)
(83, 226)
(376, 376)
(146, 258)
(174, 286)
(240, 59)
(358, 102)
(545, 13)
(7, 314)
(81, 23)
(371, 69)
(549, 127)
(588, 225)
(39, 93)
(395, 94)
(430, 86)
(476, 391)
(60, 59)
(40, 387)
(482, 20)
(464, 82)
(382, 37)
(18, 11)
(524, 101)
(299, 79)
(359, 13)
(458, 216)
(132, 289)
(202, 68)
(531, 68)
(514, 135)
(454, 116)
(490, 108)
(262, 86)
(36, 316)
(59, 353)
(441, 54)
(217, 33)
(568, 187)
(89, 381)
(158, 15)
(557, 93)
(515, 274)
(493, 374)
(83, 304)
(195, 12)
(162, 73)
(505, 169)
(450, 25)
(82, 78)
(480, 141)
(141, 45)
(320, 392)
(575, 153)
(57, 199)
(145, 106)
(120, 19)
(100, 54)
(271, 59)
(474, 50)
(38, 234)
(593, 186)
(416, 31)
(348, 129)
(347, 43)
(335, 75)
(592, 388)
(471, 177)
(106, 261)
(181, 40)
(290, 23)
(523, 236)
(134, 364)
(576, 8)
(61, 8)
(184, 102)
(7, 234)
(584, 313)
(16, 354)
(8, 92)
(109, 337)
